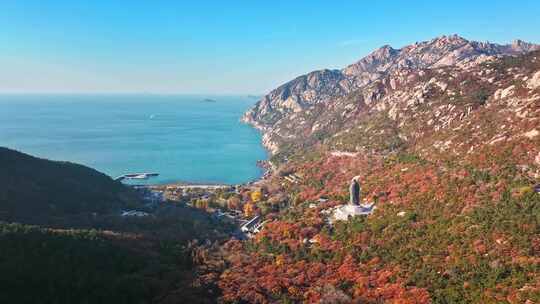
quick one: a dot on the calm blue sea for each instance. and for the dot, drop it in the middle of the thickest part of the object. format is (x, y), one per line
(183, 138)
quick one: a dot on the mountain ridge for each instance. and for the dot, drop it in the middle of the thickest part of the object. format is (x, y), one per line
(444, 137)
(305, 93)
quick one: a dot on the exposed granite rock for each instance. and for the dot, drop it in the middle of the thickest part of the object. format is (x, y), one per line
(531, 134)
(389, 80)
(534, 82)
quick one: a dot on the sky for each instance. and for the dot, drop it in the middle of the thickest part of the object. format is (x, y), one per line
(223, 47)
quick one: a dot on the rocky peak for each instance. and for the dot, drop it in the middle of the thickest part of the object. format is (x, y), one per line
(437, 52)
(305, 97)
(517, 43)
(383, 53)
(373, 62)
(450, 39)
(521, 46)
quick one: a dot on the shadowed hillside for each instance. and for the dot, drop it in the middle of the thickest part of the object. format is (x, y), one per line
(41, 265)
(84, 251)
(33, 188)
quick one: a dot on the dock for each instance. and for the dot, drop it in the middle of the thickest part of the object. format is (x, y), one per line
(135, 176)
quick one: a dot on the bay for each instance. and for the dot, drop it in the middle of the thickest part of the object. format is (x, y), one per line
(184, 138)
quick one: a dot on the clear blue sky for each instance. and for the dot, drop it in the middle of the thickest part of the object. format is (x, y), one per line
(102, 46)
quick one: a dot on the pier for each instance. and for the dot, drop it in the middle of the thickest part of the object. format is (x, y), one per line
(136, 176)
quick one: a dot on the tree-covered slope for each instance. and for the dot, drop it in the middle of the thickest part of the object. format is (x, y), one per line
(31, 187)
(40, 265)
(451, 156)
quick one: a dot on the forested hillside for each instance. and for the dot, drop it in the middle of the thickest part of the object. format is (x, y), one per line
(39, 265)
(35, 189)
(445, 136)
(84, 251)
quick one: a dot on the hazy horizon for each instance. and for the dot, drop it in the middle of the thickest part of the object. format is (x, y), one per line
(215, 48)
(247, 94)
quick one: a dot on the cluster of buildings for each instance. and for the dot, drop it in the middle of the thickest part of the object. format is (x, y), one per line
(253, 226)
(186, 193)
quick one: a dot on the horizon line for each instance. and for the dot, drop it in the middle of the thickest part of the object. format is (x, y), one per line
(132, 93)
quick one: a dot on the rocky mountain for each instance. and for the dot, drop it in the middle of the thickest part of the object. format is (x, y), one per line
(322, 103)
(444, 137)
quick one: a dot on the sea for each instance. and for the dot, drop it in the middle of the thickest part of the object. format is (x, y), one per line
(184, 138)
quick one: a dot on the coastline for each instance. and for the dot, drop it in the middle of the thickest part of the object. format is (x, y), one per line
(265, 166)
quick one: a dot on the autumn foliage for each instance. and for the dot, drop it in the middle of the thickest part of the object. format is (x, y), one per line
(457, 218)
(466, 233)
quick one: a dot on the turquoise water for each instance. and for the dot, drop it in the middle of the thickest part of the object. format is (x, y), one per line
(183, 138)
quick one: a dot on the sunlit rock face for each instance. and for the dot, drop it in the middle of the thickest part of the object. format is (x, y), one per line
(326, 102)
